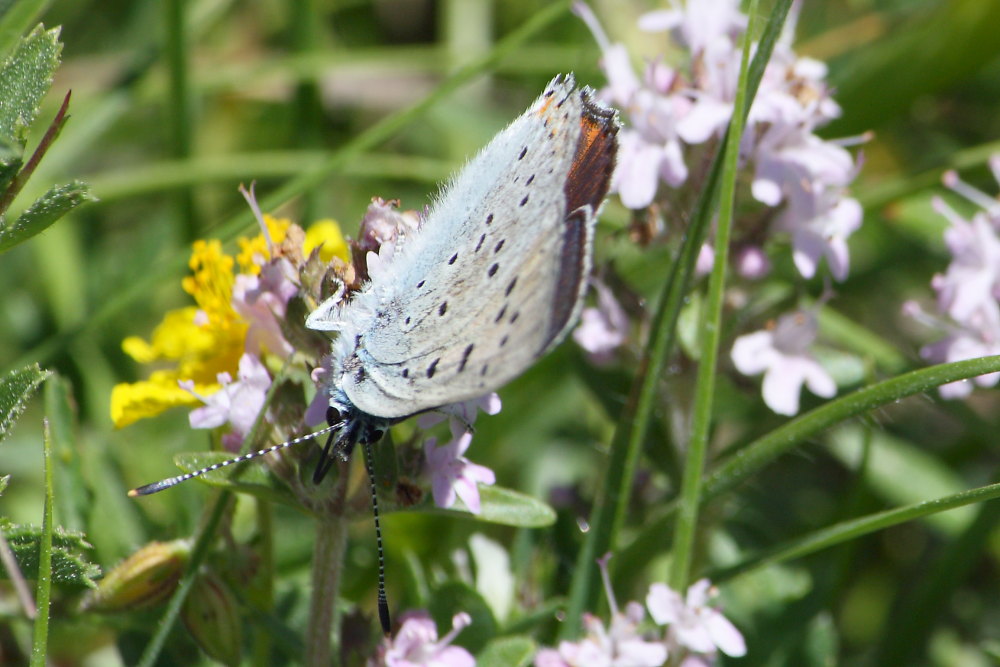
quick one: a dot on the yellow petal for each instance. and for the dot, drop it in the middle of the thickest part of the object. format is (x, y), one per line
(326, 235)
(138, 400)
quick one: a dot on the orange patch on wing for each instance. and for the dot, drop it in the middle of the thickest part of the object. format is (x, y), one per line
(544, 108)
(590, 172)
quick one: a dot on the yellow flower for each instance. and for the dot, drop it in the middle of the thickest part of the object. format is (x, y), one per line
(326, 235)
(203, 341)
(254, 252)
(208, 339)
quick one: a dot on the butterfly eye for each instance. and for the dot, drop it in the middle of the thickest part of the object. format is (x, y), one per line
(332, 415)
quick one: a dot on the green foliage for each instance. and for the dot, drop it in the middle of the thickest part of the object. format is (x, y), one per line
(25, 77)
(54, 204)
(516, 651)
(15, 390)
(70, 566)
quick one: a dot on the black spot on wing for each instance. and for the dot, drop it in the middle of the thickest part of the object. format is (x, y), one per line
(524, 152)
(510, 287)
(465, 357)
(480, 244)
(452, 259)
(500, 315)
(432, 368)
(489, 219)
(524, 201)
(493, 270)
(498, 246)
(443, 308)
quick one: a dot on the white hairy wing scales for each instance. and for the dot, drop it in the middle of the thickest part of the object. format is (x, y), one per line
(435, 307)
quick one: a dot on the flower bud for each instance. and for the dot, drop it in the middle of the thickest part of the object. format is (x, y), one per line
(211, 615)
(145, 578)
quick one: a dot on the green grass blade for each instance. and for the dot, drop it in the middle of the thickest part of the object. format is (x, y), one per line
(686, 523)
(40, 641)
(765, 449)
(855, 528)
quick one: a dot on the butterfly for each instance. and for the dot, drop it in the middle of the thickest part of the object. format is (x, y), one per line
(492, 279)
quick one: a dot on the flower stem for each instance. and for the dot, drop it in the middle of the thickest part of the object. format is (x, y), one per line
(328, 564)
(691, 486)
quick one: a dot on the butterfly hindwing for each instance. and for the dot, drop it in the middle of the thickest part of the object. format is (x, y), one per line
(495, 275)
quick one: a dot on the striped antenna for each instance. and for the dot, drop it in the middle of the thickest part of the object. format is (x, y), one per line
(174, 481)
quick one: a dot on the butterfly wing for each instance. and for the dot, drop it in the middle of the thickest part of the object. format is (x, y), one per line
(496, 275)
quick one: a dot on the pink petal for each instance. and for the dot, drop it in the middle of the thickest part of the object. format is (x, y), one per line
(753, 353)
(725, 635)
(781, 389)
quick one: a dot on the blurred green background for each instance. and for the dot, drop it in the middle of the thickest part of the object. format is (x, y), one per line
(176, 103)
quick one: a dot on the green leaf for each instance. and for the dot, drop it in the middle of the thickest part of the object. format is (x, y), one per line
(508, 508)
(25, 77)
(54, 204)
(69, 566)
(3, 483)
(15, 390)
(17, 17)
(454, 597)
(507, 652)
(253, 479)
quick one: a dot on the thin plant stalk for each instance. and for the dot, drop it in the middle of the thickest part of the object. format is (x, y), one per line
(178, 107)
(686, 523)
(328, 566)
(43, 593)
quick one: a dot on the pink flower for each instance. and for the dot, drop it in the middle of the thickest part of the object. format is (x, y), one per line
(453, 475)
(261, 301)
(692, 623)
(782, 354)
(603, 329)
(968, 292)
(620, 646)
(966, 343)
(416, 644)
(972, 281)
(382, 225)
(699, 25)
(820, 223)
(461, 416)
(316, 412)
(670, 111)
(752, 262)
(236, 403)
